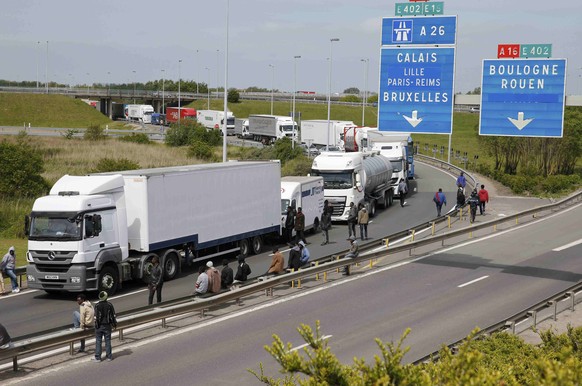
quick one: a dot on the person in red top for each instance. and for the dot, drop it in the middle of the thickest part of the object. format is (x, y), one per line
(483, 198)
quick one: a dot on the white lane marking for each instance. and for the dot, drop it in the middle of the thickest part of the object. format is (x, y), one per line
(307, 344)
(234, 315)
(573, 243)
(473, 281)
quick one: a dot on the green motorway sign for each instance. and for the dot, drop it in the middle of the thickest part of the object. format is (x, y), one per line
(415, 9)
(535, 51)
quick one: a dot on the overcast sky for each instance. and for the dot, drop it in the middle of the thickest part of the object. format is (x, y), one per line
(89, 39)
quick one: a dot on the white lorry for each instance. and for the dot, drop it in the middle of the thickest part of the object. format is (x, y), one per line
(361, 178)
(269, 128)
(94, 232)
(397, 147)
(314, 132)
(214, 119)
(141, 113)
(241, 128)
(303, 192)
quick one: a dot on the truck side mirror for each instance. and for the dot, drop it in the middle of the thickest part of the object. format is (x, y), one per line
(26, 225)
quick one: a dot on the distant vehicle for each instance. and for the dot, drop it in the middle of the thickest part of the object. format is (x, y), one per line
(315, 132)
(175, 114)
(475, 109)
(241, 128)
(310, 151)
(118, 111)
(269, 128)
(158, 119)
(305, 193)
(140, 113)
(214, 119)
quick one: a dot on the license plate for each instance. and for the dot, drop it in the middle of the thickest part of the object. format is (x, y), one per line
(51, 277)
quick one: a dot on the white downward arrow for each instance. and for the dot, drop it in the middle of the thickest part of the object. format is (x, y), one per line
(414, 120)
(520, 123)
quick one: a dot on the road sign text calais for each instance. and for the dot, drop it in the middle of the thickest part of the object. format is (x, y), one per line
(523, 97)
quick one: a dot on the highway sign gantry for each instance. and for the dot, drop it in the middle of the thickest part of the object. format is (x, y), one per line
(416, 89)
(523, 97)
(419, 30)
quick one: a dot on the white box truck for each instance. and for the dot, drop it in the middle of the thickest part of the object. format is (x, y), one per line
(94, 232)
(303, 192)
(314, 132)
(141, 113)
(361, 178)
(214, 119)
(269, 128)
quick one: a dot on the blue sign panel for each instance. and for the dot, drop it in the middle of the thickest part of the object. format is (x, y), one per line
(523, 97)
(416, 90)
(419, 30)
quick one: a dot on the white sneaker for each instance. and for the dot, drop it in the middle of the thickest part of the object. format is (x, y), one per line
(17, 290)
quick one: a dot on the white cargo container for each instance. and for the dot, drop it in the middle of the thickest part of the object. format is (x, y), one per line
(94, 232)
(141, 113)
(306, 193)
(314, 132)
(214, 119)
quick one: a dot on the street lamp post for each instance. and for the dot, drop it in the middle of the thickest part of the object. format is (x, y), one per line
(88, 77)
(37, 61)
(179, 82)
(217, 73)
(272, 85)
(365, 96)
(46, 69)
(133, 86)
(163, 92)
(197, 72)
(294, 93)
(225, 96)
(208, 85)
(329, 90)
(108, 83)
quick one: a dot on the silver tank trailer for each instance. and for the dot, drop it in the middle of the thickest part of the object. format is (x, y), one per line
(377, 172)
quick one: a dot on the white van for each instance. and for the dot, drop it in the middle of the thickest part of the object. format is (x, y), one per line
(306, 193)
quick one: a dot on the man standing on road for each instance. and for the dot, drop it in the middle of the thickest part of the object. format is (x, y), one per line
(156, 281)
(105, 321)
(8, 265)
(402, 190)
(326, 221)
(483, 198)
(84, 318)
(352, 220)
(462, 181)
(300, 226)
(289, 224)
(363, 219)
(440, 200)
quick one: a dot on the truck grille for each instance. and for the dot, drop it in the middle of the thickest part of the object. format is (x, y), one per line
(338, 204)
(52, 257)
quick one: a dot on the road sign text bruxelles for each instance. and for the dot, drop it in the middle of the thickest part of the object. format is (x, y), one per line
(523, 97)
(416, 89)
(420, 30)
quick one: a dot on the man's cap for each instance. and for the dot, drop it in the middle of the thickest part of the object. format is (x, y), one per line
(209, 264)
(301, 243)
(102, 296)
(351, 238)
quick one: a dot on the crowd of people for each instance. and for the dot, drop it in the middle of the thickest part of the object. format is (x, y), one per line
(477, 199)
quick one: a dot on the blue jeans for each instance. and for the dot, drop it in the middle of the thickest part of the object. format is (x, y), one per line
(77, 324)
(103, 331)
(13, 280)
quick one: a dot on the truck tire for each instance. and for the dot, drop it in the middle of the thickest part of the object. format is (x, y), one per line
(372, 210)
(390, 198)
(244, 247)
(385, 200)
(257, 244)
(108, 280)
(147, 268)
(171, 266)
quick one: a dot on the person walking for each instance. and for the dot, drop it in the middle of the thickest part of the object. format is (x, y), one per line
(5, 339)
(326, 221)
(156, 281)
(440, 200)
(402, 190)
(473, 204)
(363, 219)
(460, 197)
(105, 321)
(352, 220)
(84, 318)
(277, 263)
(8, 265)
(352, 253)
(289, 224)
(300, 226)
(462, 181)
(201, 286)
(304, 259)
(243, 271)
(226, 276)
(483, 198)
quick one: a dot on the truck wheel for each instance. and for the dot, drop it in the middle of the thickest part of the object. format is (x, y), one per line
(257, 245)
(384, 204)
(108, 280)
(315, 226)
(390, 199)
(170, 266)
(147, 268)
(244, 247)
(372, 208)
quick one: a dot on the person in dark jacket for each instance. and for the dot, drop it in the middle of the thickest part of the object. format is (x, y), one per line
(460, 197)
(226, 276)
(156, 281)
(439, 199)
(289, 224)
(352, 220)
(300, 226)
(105, 321)
(5, 339)
(326, 221)
(243, 271)
(294, 258)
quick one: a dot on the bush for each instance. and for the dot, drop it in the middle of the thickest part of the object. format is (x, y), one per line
(94, 133)
(70, 133)
(21, 166)
(200, 150)
(190, 131)
(351, 98)
(233, 96)
(141, 138)
(114, 165)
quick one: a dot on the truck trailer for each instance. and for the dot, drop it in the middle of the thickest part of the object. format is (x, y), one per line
(95, 232)
(314, 132)
(214, 119)
(141, 113)
(175, 114)
(269, 128)
(361, 178)
(303, 192)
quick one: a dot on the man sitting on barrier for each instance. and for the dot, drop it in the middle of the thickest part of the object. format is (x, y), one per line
(352, 253)
(304, 260)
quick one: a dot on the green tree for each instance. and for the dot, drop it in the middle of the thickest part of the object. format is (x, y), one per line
(350, 98)
(233, 96)
(352, 90)
(21, 166)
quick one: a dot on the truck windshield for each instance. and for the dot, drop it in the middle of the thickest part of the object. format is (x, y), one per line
(336, 180)
(396, 166)
(287, 128)
(62, 226)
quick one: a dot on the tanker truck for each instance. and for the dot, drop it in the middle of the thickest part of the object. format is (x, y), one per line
(361, 178)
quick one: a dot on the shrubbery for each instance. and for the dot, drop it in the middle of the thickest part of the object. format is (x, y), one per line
(189, 131)
(115, 165)
(141, 138)
(94, 133)
(200, 150)
(21, 166)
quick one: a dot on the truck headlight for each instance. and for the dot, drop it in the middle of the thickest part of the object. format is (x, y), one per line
(29, 257)
(30, 278)
(75, 279)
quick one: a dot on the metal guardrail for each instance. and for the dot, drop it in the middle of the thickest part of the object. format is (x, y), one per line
(186, 305)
